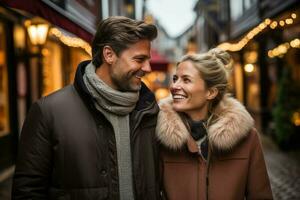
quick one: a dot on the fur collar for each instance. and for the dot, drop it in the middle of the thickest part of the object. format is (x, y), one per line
(232, 125)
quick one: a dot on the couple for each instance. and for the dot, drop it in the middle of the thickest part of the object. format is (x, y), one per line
(104, 137)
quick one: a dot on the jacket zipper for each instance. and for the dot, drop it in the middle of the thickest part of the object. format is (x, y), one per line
(144, 112)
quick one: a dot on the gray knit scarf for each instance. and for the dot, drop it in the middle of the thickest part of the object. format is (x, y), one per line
(115, 106)
(113, 101)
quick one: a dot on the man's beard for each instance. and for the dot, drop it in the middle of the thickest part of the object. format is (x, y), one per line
(124, 83)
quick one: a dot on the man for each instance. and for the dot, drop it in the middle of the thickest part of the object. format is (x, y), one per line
(95, 139)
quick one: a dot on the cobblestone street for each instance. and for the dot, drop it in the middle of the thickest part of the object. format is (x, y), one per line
(284, 172)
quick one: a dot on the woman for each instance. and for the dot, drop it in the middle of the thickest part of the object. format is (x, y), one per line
(210, 148)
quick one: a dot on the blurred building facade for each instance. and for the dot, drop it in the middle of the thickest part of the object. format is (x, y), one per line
(32, 67)
(263, 38)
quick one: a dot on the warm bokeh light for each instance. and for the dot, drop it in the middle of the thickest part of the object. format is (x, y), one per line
(296, 118)
(282, 49)
(161, 93)
(249, 68)
(19, 37)
(273, 25)
(251, 56)
(289, 21)
(281, 23)
(295, 43)
(38, 33)
(255, 31)
(71, 41)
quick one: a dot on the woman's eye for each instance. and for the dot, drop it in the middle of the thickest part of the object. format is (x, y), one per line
(174, 79)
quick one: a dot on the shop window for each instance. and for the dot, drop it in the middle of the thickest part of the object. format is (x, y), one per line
(236, 81)
(253, 95)
(4, 104)
(52, 68)
(77, 55)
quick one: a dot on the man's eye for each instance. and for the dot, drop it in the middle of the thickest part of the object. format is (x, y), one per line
(186, 80)
(139, 60)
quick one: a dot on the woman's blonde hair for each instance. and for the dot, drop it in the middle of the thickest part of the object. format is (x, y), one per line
(213, 67)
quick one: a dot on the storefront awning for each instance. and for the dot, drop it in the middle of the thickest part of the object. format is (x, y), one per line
(158, 62)
(41, 9)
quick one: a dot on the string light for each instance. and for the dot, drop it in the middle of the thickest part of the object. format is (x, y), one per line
(268, 21)
(255, 31)
(295, 43)
(273, 25)
(71, 41)
(289, 21)
(282, 49)
(281, 23)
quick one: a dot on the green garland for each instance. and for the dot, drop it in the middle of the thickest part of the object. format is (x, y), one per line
(288, 101)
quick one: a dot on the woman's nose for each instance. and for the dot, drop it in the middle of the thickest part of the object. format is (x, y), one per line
(175, 86)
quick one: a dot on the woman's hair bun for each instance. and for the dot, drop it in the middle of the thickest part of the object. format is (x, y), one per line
(221, 55)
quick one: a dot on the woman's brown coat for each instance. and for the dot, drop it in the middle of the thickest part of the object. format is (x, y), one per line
(236, 164)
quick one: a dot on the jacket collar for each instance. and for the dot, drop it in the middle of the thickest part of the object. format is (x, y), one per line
(229, 129)
(80, 86)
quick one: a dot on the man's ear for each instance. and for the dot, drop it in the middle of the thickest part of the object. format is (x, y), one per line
(108, 55)
(212, 93)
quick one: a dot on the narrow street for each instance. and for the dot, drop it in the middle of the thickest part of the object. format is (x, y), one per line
(284, 171)
(248, 48)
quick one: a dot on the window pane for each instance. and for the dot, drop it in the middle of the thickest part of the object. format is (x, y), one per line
(236, 9)
(4, 106)
(249, 3)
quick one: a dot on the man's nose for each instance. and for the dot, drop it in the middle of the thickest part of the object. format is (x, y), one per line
(146, 66)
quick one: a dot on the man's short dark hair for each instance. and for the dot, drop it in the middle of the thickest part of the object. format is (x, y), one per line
(119, 32)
